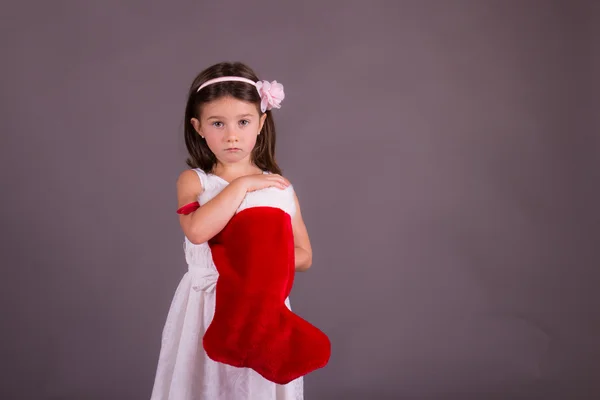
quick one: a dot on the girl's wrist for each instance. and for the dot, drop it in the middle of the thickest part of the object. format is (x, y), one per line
(239, 184)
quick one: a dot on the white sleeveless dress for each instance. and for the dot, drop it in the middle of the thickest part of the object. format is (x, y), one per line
(184, 371)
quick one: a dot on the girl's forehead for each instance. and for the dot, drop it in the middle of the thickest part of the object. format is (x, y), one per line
(229, 106)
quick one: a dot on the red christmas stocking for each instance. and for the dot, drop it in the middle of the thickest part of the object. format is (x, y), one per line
(252, 327)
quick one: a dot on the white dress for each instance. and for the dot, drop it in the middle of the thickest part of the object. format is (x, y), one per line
(184, 371)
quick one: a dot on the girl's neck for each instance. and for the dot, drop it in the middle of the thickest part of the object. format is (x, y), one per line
(233, 171)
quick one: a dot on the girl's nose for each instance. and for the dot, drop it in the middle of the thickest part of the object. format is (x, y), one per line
(231, 136)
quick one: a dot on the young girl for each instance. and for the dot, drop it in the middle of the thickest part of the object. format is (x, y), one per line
(230, 137)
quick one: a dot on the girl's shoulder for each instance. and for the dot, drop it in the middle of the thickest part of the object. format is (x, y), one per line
(193, 178)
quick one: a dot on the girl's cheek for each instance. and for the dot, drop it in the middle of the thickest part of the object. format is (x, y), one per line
(210, 130)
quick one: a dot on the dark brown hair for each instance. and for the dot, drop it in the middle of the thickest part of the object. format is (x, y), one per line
(200, 156)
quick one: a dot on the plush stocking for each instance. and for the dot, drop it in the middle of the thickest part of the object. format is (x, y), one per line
(252, 327)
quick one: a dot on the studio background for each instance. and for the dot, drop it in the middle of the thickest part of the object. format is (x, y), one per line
(446, 155)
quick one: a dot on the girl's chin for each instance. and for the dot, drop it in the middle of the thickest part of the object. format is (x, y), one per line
(233, 155)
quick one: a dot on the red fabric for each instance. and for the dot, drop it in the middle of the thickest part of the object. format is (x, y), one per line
(188, 208)
(252, 327)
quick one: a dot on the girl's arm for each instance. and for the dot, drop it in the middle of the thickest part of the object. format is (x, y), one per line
(303, 249)
(208, 220)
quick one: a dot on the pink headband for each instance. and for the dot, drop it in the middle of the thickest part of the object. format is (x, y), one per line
(271, 93)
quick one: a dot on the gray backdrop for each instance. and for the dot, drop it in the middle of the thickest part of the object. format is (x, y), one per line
(443, 153)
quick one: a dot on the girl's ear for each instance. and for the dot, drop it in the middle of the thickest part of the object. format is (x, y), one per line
(263, 118)
(196, 124)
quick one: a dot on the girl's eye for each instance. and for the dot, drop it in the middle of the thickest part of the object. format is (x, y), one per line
(244, 122)
(217, 124)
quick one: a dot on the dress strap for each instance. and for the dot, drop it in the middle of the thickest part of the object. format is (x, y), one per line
(203, 177)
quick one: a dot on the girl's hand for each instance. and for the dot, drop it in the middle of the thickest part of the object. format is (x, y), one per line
(252, 183)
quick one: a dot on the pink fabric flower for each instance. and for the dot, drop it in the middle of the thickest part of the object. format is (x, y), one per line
(271, 94)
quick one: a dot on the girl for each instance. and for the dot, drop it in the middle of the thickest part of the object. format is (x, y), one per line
(230, 137)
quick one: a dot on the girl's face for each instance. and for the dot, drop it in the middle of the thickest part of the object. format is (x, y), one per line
(230, 128)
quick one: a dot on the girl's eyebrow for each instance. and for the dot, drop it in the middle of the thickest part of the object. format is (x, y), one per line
(219, 117)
